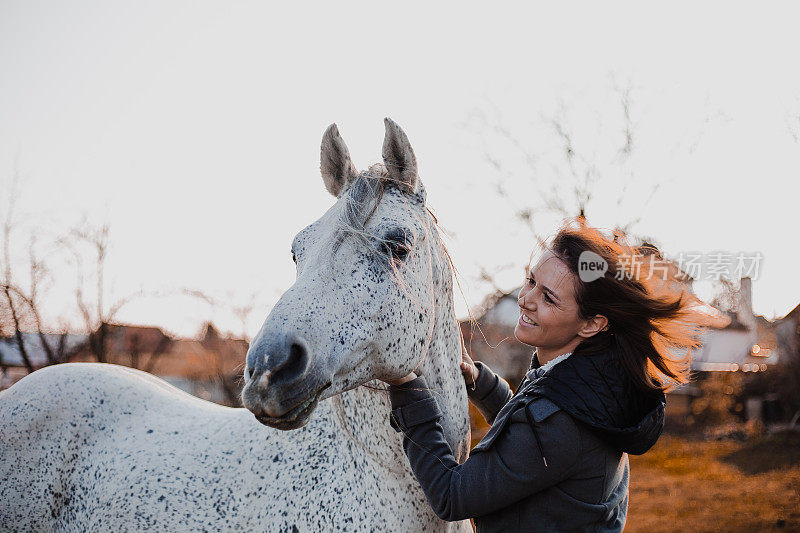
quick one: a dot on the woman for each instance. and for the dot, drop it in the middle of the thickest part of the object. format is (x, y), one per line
(555, 457)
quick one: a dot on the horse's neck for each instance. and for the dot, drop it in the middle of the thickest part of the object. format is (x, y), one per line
(442, 372)
(364, 412)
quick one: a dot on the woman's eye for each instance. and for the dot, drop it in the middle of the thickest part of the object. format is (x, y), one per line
(546, 296)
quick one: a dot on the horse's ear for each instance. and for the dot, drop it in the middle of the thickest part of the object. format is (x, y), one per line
(398, 156)
(334, 161)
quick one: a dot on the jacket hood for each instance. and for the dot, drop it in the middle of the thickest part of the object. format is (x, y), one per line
(596, 391)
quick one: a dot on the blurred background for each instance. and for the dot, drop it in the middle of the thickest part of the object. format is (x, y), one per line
(157, 159)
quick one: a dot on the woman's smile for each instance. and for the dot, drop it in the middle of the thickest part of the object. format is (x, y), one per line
(549, 317)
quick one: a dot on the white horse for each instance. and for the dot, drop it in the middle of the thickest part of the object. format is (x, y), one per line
(91, 447)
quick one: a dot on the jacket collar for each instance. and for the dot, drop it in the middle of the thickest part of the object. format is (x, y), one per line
(595, 390)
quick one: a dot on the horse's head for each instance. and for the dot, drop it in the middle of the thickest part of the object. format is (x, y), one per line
(362, 305)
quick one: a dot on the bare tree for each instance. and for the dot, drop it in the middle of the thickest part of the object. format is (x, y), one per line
(11, 293)
(23, 288)
(726, 295)
(22, 305)
(578, 172)
(96, 313)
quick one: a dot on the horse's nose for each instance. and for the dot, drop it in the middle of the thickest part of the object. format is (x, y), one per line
(280, 363)
(290, 363)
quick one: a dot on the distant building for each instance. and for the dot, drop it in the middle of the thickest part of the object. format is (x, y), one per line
(746, 342)
(209, 367)
(137, 347)
(787, 334)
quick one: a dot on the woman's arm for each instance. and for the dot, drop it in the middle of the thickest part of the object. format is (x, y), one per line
(490, 393)
(508, 471)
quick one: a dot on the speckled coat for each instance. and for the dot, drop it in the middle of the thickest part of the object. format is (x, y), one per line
(89, 447)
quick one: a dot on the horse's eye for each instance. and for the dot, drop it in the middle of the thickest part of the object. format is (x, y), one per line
(397, 242)
(294, 257)
(397, 250)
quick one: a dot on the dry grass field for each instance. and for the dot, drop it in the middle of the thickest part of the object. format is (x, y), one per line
(686, 484)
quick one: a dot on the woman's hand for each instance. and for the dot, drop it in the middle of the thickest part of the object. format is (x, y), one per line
(468, 368)
(405, 379)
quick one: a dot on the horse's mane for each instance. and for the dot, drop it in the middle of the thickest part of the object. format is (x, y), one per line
(362, 197)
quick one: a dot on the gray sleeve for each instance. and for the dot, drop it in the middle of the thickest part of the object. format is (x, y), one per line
(512, 468)
(491, 392)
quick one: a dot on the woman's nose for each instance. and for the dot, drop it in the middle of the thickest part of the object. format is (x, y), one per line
(526, 302)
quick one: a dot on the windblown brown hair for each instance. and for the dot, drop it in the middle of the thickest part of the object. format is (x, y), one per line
(653, 320)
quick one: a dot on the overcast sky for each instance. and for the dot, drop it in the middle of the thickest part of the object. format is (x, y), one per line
(193, 129)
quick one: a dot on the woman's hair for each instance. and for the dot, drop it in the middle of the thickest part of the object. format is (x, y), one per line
(653, 319)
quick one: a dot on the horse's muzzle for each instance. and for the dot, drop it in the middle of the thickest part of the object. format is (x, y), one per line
(294, 418)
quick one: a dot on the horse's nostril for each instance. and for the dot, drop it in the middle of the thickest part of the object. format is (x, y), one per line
(296, 362)
(277, 362)
(297, 350)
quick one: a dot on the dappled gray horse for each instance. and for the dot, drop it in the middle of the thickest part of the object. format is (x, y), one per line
(88, 447)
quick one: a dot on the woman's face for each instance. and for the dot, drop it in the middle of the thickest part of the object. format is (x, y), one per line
(549, 317)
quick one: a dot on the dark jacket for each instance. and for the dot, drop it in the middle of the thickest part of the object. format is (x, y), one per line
(555, 458)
